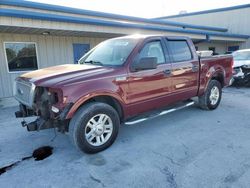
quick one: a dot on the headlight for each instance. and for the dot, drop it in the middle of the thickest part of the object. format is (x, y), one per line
(54, 109)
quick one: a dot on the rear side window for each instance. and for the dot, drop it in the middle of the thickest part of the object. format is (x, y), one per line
(180, 50)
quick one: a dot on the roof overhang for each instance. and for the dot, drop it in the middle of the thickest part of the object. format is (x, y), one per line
(206, 11)
(107, 26)
(68, 10)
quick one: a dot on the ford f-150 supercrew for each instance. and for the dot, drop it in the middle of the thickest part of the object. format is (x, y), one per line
(119, 79)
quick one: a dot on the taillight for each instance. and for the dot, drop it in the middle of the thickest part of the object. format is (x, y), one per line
(232, 64)
(234, 72)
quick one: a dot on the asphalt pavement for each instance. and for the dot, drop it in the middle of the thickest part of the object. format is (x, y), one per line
(188, 148)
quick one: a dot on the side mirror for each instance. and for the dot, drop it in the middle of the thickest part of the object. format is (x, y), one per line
(145, 63)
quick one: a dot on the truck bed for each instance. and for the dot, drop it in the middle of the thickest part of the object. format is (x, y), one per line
(220, 63)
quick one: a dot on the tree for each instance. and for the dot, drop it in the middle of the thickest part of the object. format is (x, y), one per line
(11, 54)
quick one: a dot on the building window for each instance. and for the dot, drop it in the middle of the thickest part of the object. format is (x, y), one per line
(21, 56)
(212, 49)
(180, 50)
(233, 48)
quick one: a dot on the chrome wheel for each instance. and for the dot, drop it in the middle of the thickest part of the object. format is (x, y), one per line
(214, 95)
(99, 129)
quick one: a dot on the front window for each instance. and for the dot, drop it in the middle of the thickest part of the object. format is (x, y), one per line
(241, 56)
(21, 56)
(153, 49)
(113, 52)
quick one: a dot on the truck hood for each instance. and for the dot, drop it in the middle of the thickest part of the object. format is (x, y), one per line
(241, 63)
(64, 74)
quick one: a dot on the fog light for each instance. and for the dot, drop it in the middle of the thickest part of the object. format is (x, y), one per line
(54, 109)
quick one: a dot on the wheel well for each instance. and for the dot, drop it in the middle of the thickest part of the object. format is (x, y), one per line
(110, 101)
(219, 78)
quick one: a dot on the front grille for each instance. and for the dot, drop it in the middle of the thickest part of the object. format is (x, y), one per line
(24, 92)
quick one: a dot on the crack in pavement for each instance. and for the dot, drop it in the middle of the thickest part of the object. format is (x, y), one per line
(186, 149)
(96, 180)
(9, 167)
(38, 154)
(170, 177)
(233, 177)
(167, 157)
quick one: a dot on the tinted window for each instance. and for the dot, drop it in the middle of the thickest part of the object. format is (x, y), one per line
(180, 50)
(153, 49)
(21, 56)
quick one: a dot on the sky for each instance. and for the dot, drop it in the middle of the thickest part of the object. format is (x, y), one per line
(146, 8)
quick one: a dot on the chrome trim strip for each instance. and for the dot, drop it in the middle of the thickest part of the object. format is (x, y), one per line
(160, 114)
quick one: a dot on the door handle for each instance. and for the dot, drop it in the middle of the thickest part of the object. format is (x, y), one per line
(195, 68)
(167, 72)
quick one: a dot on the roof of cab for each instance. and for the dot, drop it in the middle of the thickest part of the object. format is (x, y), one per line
(143, 36)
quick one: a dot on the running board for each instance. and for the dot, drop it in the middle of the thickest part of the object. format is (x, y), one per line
(158, 113)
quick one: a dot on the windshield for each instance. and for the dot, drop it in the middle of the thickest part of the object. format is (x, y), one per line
(243, 55)
(113, 52)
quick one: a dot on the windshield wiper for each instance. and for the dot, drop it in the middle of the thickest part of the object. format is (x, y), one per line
(94, 62)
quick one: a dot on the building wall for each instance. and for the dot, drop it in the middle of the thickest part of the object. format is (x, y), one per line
(245, 44)
(51, 50)
(220, 48)
(237, 21)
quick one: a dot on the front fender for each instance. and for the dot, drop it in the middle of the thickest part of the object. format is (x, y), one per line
(87, 97)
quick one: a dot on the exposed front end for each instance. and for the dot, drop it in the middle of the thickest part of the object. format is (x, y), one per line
(241, 75)
(45, 103)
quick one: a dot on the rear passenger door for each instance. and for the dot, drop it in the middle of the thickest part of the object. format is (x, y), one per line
(185, 68)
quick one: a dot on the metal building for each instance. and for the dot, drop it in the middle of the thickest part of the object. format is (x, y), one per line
(35, 35)
(235, 19)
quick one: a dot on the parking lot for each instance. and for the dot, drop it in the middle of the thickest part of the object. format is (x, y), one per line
(187, 148)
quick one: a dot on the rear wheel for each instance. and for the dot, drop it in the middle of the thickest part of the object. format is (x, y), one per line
(94, 127)
(210, 100)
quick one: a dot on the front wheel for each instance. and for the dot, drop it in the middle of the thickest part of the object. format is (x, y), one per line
(94, 127)
(210, 100)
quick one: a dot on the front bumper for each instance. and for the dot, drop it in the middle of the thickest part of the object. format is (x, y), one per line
(238, 73)
(56, 121)
(24, 111)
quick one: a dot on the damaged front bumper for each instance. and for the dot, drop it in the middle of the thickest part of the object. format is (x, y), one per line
(57, 120)
(241, 75)
(38, 124)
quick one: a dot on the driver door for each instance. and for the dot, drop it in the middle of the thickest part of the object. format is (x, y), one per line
(147, 88)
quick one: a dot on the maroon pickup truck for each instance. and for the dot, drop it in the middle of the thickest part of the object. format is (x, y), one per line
(119, 79)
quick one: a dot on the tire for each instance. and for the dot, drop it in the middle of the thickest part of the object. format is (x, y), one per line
(84, 128)
(207, 101)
